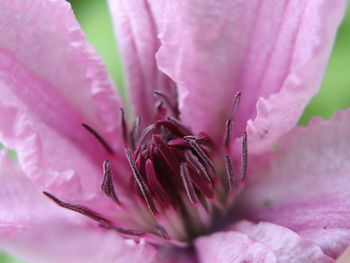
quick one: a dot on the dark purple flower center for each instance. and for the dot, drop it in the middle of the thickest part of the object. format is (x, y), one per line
(181, 182)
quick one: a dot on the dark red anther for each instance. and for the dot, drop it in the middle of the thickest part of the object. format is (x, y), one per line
(204, 139)
(186, 180)
(179, 125)
(99, 138)
(157, 190)
(244, 161)
(79, 209)
(141, 183)
(229, 172)
(107, 185)
(178, 142)
(174, 129)
(167, 154)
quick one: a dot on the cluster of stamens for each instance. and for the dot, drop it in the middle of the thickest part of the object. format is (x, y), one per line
(181, 182)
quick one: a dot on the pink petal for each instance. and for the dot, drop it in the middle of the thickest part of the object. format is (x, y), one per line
(38, 231)
(263, 242)
(304, 184)
(51, 81)
(136, 27)
(57, 243)
(333, 241)
(273, 51)
(21, 203)
(287, 245)
(231, 246)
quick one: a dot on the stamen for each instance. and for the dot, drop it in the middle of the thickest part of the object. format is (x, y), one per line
(192, 159)
(158, 190)
(146, 132)
(107, 185)
(79, 209)
(201, 154)
(99, 138)
(179, 125)
(141, 183)
(187, 183)
(229, 172)
(173, 128)
(167, 155)
(202, 185)
(244, 156)
(124, 231)
(228, 133)
(163, 233)
(235, 106)
(231, 119)
(135, 133)
(165, 98)
(124, 126)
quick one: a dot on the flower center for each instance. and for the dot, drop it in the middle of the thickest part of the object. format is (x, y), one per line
(172, 173)
(180, 183)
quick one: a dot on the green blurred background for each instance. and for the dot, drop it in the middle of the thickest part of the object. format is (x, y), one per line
(335, 92)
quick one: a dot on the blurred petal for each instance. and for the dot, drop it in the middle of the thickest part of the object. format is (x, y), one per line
(136, 30)
(345, 257)
(228, 247)
(287, 245)
(305, 182)
(51, 81)
(33, 228)
(263, 242)
(332, 241)
(57, 243)
(273, 51)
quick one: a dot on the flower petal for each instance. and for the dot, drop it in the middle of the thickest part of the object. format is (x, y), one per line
(333, 241)
(21, 202)
(136, 28)
(273, 51)
(52, 81)
(263, 242)
(38, 231)
(304, 184)
(231, 246)
(57, 243)
(287, 245)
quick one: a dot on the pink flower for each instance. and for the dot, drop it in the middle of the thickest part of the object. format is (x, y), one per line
(173, 189)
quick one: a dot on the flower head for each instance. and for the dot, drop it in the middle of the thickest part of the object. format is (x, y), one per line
(206, 78)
